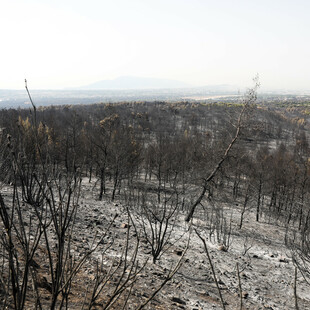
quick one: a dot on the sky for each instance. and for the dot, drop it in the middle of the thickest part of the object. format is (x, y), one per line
(69, 43)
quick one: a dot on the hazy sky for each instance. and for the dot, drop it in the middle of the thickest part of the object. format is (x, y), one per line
(65, 43)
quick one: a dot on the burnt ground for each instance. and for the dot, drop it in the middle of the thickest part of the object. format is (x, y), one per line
(266, 267)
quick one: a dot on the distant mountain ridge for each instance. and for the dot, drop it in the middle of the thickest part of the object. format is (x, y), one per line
(131, 82)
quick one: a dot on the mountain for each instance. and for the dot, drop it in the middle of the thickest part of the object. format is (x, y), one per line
(130, 82)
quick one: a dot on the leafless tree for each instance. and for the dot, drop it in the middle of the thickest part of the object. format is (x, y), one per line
(248, 101)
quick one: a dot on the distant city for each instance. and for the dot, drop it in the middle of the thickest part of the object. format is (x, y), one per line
(139, 89)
